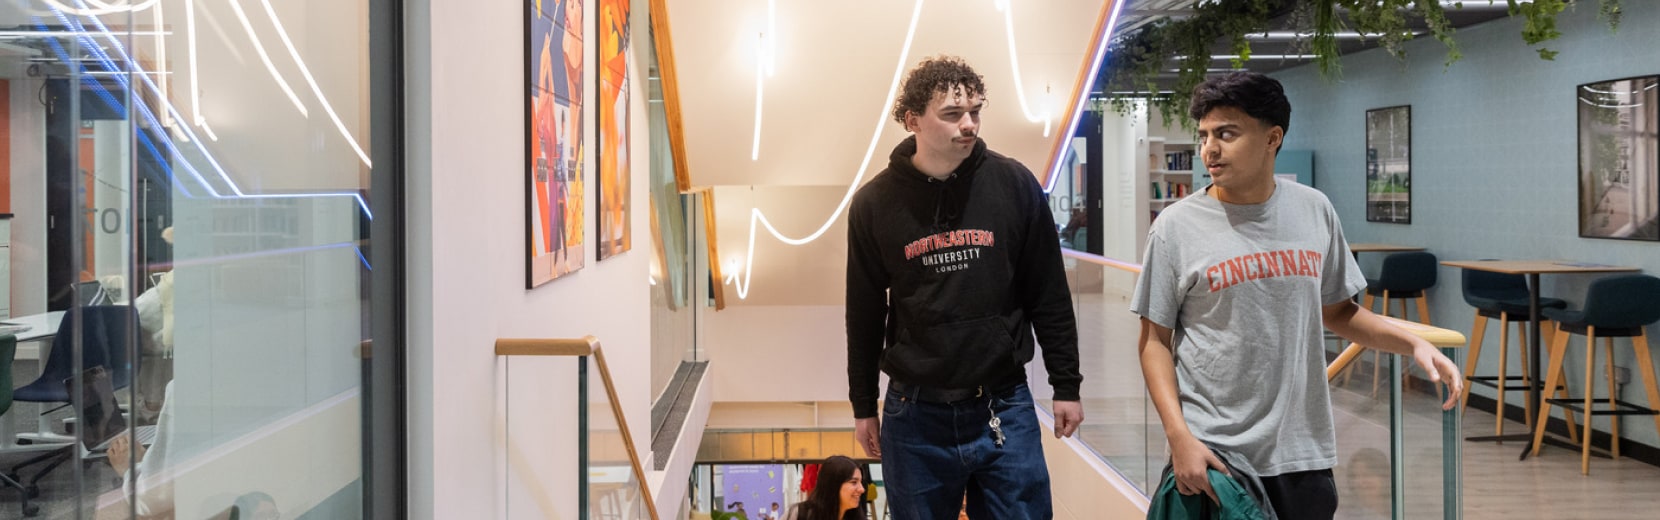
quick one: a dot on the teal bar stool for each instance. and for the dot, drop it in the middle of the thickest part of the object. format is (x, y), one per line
(1504, 297)
(1404, 276)
(1615, 307)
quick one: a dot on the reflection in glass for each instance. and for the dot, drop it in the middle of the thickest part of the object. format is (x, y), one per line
(203, 168)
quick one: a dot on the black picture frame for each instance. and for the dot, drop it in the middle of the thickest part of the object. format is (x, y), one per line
(555, 177)
(1618, 167)
(1389, 165)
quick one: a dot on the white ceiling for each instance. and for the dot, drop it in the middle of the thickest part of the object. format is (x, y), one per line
(827, 98)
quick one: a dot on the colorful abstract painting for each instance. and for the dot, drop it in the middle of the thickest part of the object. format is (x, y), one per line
(614, 83)
(553, 118)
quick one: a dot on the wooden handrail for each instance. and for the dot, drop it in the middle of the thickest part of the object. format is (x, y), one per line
(719, 287)
(669, 81)
(578, 347)
(1434, 335)
(1101, 260)
(583, 346)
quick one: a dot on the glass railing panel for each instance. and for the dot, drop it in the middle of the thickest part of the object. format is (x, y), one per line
(1116, 421)
(612, 478)
(541, 395)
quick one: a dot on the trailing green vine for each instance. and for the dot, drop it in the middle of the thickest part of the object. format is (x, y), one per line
(1138, 60)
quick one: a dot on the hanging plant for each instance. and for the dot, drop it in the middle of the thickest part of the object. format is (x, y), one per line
(1141, 57)
(1136, 61)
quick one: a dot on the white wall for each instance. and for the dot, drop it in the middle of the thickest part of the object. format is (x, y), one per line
(778, 353)
(466, 249)
(28, 240)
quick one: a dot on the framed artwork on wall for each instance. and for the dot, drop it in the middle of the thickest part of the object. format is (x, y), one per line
(614, 83)
(1389, 165)
(553, 139)
(1619, 181)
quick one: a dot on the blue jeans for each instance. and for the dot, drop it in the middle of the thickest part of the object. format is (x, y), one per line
(932, 453)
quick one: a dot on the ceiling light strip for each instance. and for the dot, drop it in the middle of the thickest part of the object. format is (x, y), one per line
(269, 67)
(864, 166)
(760, 77)
(1083, 89)
(311, 82)
(195, 84)
(168, 105)
(102, 8)
(161, 62)
(1014, 65)
(765, 65)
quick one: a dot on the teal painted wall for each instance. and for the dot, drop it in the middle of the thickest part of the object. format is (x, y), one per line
(1493, 165)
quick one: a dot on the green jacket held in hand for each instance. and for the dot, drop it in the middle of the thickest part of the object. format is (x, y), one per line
(1237, 504)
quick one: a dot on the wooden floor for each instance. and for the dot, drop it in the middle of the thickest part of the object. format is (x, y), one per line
(1122, 426)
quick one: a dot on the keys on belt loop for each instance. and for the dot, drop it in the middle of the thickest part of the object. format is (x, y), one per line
(996, 423)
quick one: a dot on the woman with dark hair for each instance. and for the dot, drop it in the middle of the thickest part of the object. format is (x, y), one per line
(836, 495)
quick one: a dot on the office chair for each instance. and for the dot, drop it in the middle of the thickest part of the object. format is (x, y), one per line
(8, 350)
(107, 335)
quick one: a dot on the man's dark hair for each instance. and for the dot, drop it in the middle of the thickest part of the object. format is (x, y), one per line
(934, 76)
(1257, 95)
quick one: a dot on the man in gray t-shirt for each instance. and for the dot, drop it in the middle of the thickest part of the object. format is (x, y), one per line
(1236, 284)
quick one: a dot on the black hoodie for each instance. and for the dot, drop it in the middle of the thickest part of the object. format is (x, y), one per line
(971, 266)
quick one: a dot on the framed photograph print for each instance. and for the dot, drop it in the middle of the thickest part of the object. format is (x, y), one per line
(614, 83)
(1619, 183)
(1389, 165)
(553, 140)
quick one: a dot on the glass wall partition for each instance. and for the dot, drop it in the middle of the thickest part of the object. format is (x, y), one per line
(187, 256)
(679, 272)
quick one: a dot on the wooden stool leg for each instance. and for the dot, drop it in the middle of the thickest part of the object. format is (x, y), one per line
(1613, 396)
(1470, 360)
(1562, 393)
(1553, 376)
(1423, 309)
(1369, 302)
(1590, 385)
(1645, 363)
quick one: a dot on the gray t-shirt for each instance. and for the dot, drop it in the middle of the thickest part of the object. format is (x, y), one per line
(1242, 287)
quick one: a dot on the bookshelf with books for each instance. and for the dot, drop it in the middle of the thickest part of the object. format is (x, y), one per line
(1170, 169)
(1150, 166)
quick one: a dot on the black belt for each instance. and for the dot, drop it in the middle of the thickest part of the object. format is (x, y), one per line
(949, 395)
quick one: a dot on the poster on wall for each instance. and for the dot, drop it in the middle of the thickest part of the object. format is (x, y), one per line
(753, 488)
(553, 135)
(613, 128)
(1619, 181)
(1389, 165)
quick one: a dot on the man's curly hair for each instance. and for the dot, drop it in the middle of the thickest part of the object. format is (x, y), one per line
(935, 75)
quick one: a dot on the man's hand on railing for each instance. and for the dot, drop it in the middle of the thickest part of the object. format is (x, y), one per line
(1440, 370)
(1068, 415)
(868, 432)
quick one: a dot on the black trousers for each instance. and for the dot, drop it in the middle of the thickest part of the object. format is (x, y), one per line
(1305, 495)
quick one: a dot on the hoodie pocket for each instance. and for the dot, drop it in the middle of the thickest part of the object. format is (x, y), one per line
(959, 354)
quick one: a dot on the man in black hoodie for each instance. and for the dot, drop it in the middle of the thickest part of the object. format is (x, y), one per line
(952, 264)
